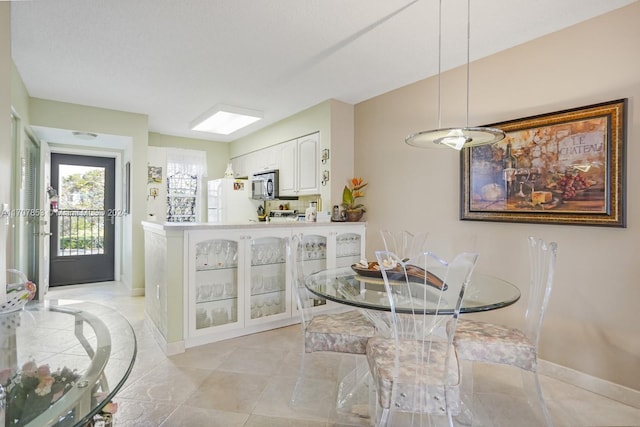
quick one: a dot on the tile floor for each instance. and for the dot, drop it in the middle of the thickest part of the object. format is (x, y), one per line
(248, 381)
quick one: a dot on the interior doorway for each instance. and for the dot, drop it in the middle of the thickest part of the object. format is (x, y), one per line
(82, 245)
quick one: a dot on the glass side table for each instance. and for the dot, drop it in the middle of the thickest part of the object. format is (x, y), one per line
(62, 361)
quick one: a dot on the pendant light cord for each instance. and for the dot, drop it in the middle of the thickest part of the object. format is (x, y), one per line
(440, 61)
(468, 56)
(440, 64)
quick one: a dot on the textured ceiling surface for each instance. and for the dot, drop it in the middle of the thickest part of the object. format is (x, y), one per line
(173, 60)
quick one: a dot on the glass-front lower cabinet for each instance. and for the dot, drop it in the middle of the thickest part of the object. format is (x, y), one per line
(314, 253)
(214, 292)
(268, 291)
(349, 246)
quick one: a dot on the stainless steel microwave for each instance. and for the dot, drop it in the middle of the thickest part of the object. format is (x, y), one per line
(264, 185)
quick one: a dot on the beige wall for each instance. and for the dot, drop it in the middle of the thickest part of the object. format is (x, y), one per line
(592, 321)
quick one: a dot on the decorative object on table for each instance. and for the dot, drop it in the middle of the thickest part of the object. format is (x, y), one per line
(566, 167)
(460, 137)
(18, 293)
(396, 272)
(415, 372)
(488, 343)
(350, 195)
(33, 389)
(346, 332)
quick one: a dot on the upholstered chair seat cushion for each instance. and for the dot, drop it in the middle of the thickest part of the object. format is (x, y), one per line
(425, 382)
(489, 343)
(346, 332)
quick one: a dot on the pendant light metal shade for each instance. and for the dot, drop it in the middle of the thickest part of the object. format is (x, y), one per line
(456, 138)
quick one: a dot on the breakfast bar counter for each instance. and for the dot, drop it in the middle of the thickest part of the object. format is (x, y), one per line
(206, 282)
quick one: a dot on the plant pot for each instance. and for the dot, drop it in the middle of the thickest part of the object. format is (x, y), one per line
(354, 216)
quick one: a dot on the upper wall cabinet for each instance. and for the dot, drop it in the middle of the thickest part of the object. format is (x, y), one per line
(256, 161)
(299, 167)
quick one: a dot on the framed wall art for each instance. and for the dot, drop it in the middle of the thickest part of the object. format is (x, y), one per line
(127, 188)
(566, 167)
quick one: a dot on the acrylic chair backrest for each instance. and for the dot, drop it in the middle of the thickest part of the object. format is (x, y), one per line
(404, 243)
(408, 282)
(295, 263)
(542, 257)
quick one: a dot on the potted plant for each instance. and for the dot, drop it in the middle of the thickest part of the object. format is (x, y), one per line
(350, 194)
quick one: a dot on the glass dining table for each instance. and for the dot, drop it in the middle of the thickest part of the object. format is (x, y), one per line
(61, 362)
(345, 286)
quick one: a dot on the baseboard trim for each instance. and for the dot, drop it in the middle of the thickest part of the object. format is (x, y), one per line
(137, 292)
(613, 391)
(169, 349)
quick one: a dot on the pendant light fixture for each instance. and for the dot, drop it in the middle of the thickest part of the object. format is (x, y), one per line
(456, 138)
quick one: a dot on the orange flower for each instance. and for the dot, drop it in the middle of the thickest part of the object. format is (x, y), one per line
(349, 195)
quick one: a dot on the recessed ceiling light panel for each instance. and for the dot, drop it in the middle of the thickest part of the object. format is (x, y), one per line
(225, 119)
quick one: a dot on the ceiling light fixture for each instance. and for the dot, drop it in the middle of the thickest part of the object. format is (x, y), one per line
(84, 135)
(456, 138)
(225, 119)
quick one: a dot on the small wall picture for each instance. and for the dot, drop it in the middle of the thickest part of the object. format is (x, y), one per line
(154, 174)
(238, 185)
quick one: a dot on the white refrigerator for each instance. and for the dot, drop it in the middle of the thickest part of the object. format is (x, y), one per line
(229, 201)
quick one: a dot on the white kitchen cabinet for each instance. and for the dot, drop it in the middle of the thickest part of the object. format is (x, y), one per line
(256, 161)
(266, 159)
(299, 168)
(326, 247)
(237, 281)
(239, 165)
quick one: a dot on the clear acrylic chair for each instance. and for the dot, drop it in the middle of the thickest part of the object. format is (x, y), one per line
(345, 332)
(485, 342)
(415, 372)
(404, 243)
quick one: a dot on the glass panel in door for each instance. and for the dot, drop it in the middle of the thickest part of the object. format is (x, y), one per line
(314, 250)
(268, 277)
(82, 220)
(347, 249)
(216, 287)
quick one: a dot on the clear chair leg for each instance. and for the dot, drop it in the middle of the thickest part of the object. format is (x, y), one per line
(296, 389)
(352, 387)
(533, 391)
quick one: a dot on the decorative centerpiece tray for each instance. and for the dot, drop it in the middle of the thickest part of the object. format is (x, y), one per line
(415, 274)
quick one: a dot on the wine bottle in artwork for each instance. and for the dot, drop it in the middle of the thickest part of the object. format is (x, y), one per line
(510, 166)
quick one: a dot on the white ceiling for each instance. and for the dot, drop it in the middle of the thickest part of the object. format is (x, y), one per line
(172, 60)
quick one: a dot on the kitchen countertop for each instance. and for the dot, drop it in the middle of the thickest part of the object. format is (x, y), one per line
(186, 226)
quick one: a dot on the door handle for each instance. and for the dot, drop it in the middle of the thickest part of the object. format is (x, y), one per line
(43, 234)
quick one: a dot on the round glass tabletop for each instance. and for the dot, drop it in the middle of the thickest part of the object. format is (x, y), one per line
(62, 361)
(344, 286)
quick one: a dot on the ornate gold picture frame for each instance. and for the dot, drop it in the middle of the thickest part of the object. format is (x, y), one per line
(566, 167)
